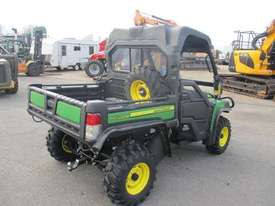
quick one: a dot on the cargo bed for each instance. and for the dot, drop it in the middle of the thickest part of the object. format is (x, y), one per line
(66, 107)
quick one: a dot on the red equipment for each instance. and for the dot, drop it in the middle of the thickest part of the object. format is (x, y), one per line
(101, 53)
(97, 61)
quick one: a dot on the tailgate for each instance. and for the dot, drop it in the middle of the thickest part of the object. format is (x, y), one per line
(59, 111)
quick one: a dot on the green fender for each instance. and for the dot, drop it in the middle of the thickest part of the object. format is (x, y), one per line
(220, 106)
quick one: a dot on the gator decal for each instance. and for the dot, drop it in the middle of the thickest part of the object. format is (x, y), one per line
(166, 112)
(37, 99)
(68, 112)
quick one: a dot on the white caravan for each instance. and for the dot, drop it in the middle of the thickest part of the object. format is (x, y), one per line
(71, 52)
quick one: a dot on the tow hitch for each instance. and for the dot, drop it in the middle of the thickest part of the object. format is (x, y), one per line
(75, 164)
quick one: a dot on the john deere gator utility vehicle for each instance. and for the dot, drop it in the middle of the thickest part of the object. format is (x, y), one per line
(125, 123)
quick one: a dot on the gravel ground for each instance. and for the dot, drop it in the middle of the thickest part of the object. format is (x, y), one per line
(243, 175)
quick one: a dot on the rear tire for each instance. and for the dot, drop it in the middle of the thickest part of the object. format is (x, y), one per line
(223, 135)
(60, 68)
(77, 67)
(61, 146)
(34, 70)
(14, 89)
(130, 175)
(94, 69)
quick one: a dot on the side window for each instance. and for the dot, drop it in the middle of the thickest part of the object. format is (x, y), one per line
(121, 60)
(63, 50)
(126, 59)
(77, 48)
(91, 49)
(153, 57)
(196, 66)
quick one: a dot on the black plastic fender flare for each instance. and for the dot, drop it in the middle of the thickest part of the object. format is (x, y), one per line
(129, 128)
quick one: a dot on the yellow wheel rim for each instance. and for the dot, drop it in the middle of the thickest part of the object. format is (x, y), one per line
(224, 135)
(139, 90)
(137, 178)
(64, 144)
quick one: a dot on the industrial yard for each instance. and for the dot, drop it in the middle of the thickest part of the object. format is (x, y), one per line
(102, 103)
(243, 175)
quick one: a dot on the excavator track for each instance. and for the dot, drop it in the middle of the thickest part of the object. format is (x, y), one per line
(259, 87)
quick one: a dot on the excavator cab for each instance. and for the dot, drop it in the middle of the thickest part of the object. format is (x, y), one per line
(254, 54)
(243, 52)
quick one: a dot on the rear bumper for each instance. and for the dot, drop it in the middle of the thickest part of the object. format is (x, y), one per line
(47, 111)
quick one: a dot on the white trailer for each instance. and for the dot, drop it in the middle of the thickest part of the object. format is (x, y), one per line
(72, 53)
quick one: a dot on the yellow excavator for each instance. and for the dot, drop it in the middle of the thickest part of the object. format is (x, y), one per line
(253, 59)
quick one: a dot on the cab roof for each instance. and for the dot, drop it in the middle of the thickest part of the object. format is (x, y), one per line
(173, 40)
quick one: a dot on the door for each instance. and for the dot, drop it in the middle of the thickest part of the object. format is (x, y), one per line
(64, 56)
(76, 54)
(195, 110)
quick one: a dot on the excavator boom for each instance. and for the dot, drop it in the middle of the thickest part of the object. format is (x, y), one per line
(142, 19)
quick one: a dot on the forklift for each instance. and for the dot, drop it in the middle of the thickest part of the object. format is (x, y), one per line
(21, 45)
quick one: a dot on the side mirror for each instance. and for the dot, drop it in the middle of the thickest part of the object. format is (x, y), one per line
(218, 88)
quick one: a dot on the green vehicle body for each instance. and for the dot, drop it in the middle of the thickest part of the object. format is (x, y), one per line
(162, 113)
(166, 112)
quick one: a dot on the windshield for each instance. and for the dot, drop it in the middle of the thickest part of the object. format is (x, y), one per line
(129, 59)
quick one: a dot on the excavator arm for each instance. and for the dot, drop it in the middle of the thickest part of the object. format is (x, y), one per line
(142, 19)
(269, 38)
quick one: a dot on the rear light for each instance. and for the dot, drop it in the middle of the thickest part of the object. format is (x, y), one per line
(93, 126)
(93, 119)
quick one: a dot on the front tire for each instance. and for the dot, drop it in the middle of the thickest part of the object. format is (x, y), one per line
(61, 146)
(130, 175)
(223, 134)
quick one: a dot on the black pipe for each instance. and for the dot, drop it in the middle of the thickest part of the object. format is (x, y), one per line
(259, 36)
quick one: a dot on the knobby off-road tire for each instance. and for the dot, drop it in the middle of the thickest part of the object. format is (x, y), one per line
(223, 135)
(149, 84)
(124, 174)
(14, 89)
(61, 146)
